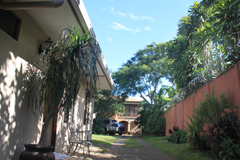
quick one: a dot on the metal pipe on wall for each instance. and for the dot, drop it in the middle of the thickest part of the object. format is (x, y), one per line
(30, 5)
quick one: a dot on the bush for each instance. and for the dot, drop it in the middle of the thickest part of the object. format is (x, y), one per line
(179, 136)
(229, 150)
(98, 126)
(156, 126)
(214, 126)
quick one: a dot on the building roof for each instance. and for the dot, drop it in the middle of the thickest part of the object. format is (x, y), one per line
(52, 21)
(133, 100)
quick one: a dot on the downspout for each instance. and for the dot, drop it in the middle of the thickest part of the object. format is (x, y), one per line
(30, 5)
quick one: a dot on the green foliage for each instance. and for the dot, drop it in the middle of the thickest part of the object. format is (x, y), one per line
(150, 118)
(106, 104)
(208, 39)
(144, 113)
(98, 126)
(194, 138)
(67, 65)
(180, 136)
(156, 125)
(182, 61)
(142, 74)
(178, 151)
(214, 126)
(229, 150)
(212, 107)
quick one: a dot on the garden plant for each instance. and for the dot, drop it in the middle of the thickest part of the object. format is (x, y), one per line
(215, 126)
(67, 65)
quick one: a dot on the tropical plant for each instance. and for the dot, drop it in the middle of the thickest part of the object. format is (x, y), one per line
(229, 150)
(68, 64)
(180, 136)
(214, 126)
(194, 138)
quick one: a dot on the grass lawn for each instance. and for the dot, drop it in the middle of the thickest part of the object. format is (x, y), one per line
(177, 151)
(104, 139)
(131, 143)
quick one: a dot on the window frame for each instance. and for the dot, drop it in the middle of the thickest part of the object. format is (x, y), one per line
(17, 27)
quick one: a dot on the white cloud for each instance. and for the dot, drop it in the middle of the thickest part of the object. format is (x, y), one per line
(119, 26)
(147, 18)
(133, 17)
(116, 13)
(109, 40)
(141, 17)
(148, 28)
(104, 9)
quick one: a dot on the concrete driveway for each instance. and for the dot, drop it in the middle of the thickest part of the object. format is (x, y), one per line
(117, 152)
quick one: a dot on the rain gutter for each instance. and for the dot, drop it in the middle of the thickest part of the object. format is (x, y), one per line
(30, 5)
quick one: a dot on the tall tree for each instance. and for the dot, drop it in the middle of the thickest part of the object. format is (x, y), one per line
(107, 104)
(142, 73)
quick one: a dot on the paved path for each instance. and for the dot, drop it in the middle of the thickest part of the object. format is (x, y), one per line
(117, 152)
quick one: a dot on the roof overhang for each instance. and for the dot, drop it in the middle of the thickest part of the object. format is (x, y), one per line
(53, 21)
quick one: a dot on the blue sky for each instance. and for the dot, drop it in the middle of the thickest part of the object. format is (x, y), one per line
(123, 27)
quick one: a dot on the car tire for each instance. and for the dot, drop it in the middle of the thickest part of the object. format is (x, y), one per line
(120, 133)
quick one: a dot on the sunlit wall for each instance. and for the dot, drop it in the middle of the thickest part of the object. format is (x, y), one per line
(18, 125)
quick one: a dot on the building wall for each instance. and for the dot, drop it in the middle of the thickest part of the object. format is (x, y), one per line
(62, 144)
(18, 125)
(131, 113)
(230, 80)
(131, 110)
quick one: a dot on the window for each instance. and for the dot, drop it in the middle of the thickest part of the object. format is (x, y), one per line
(86, 107)
(69, 115)
(10, 23)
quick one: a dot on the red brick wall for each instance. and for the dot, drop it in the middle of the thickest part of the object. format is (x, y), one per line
(178, 114)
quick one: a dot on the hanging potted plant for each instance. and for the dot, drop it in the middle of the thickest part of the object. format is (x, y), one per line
(68, 64)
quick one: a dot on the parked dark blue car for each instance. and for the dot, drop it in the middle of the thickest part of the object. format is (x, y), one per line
(121, 129)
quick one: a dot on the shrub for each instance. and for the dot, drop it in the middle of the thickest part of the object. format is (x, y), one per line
(98, 126)
(156, 126)
(194, 137)
(179, 136)
(214, 126)
(229, 150)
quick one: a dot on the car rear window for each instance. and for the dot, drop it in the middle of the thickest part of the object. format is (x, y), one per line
(106, 121)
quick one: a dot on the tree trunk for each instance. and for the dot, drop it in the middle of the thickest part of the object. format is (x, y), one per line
(46, 135)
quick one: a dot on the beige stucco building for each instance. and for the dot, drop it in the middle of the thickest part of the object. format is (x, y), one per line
(23, 27)
(131, 113)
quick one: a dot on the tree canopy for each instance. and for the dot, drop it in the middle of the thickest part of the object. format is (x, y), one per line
(142, 74)
(107, 104)
(206, 44)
